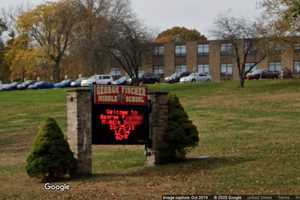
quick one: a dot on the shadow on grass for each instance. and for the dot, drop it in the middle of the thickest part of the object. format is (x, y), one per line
(186, 167)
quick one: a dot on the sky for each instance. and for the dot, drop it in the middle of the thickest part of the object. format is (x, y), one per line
(162, 14)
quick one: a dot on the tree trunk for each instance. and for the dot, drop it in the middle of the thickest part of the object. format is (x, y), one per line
(242, 81)
(135, 80)
(56, 71)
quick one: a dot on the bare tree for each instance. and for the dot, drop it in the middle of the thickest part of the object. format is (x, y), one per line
(129, 49)
(110, 33)
(129, 41)
(246, 38)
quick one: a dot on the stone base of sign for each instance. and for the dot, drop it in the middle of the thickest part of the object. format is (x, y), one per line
(158, 126)
(79, 128)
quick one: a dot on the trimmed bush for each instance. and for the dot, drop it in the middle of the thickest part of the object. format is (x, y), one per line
(51, 158)
(182, 135)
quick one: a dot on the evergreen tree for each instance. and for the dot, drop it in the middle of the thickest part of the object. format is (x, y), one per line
(51, 158)
(182, 134)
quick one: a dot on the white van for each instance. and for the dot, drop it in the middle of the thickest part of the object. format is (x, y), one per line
(98, 79)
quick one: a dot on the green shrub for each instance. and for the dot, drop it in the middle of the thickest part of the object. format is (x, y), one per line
(182, 135)
(51, 158)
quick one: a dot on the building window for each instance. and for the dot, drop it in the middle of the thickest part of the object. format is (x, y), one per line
(297, 67)
(180, 50)
(158, 70)
(203, 69)
(297, 48)
(249, 65)
(226, 69)
(276, 66)
(158, 50)
(115, 72)
(181, 68)
(226, 49)
(203, 49)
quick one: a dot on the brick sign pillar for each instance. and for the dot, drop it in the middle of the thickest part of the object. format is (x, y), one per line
(158, 126)
(79, 129)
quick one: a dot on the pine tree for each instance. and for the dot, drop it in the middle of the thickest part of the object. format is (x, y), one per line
(182, 134)
(51, 158)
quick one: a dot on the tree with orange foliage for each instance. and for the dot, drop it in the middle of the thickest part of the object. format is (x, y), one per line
(23, 60)
(179, 34)
(50, 26)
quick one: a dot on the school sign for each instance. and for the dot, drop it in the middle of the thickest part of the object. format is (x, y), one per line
(120, 115)
(116, 115)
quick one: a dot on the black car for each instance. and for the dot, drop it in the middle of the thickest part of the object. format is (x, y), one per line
(265, 74)
(176, 78)
(270, 75)
(149, 78)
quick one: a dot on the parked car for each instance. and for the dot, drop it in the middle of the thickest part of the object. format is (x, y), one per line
(77, 83)
(270, 75)
(41, 85)
(99, 79)
(193, 77)
(63, 84)
(105, 80)
(140, 77)
(24, 85)
(168, 78)
(263, 74)
(124, 80)
(175, 78)
(9, 86)
(150, 78)
(256, 74)
(89, 81)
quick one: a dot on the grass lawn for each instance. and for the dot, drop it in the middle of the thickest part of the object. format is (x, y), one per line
(251, 135)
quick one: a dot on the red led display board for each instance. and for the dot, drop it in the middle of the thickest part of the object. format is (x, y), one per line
(120, 115)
